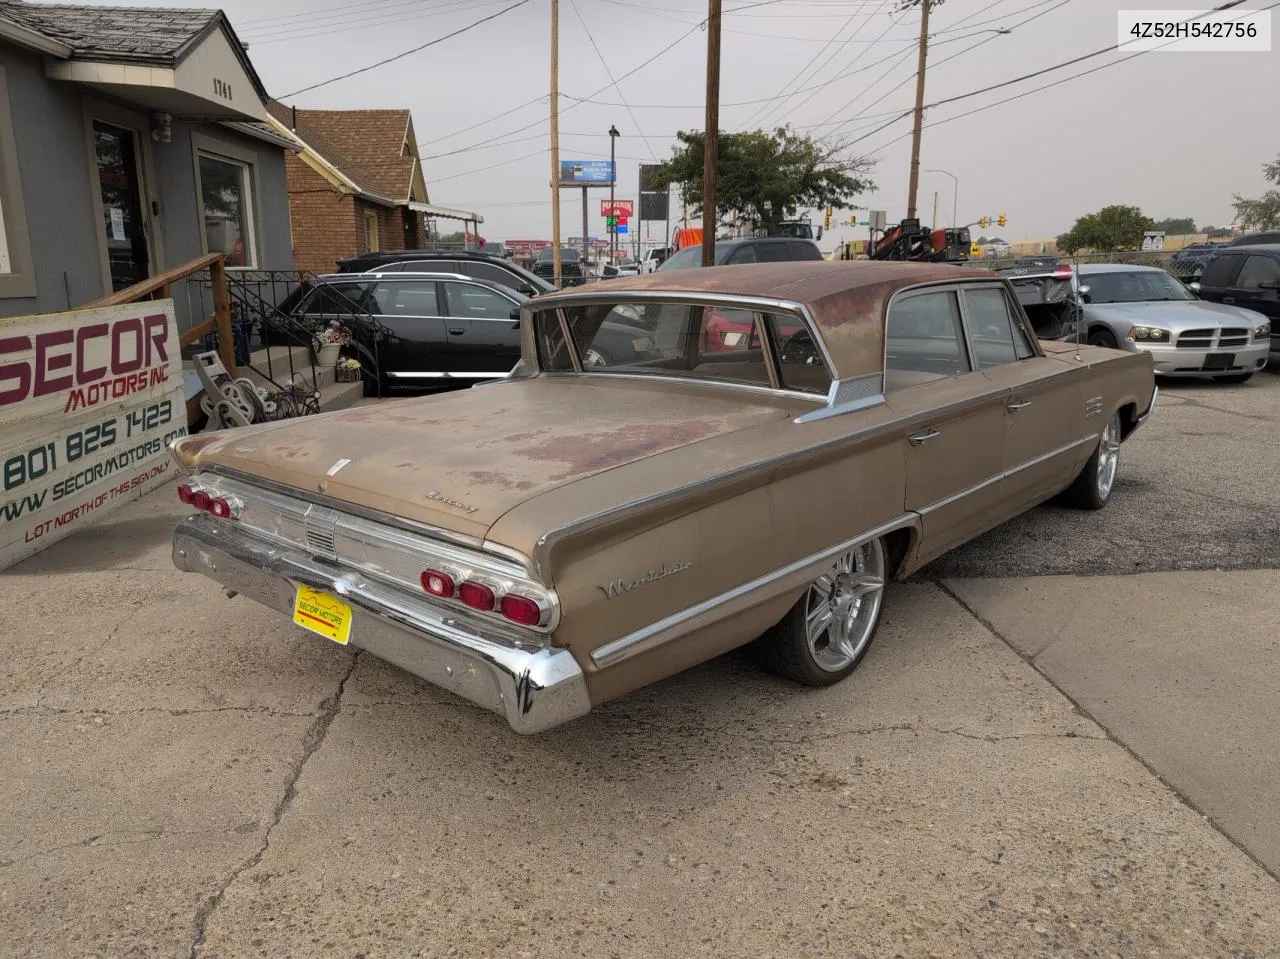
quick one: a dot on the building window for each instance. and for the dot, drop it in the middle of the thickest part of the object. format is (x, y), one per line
(17, 276)
(371, 231)
(226, 189)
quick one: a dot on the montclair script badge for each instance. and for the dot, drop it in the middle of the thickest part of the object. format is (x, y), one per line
(441, 498)
(619, 586)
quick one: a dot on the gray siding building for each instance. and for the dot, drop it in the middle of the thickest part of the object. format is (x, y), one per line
(131, 141)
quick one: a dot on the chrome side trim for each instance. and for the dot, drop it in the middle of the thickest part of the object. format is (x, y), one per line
(1004, 475)
(448, 375)
(535, 688)
(840, 409)
(760, 590)
(695, 381)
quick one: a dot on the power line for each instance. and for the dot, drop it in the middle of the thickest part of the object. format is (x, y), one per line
(1059, 82)
(396, 9)
(286, 17)
(605, 63)
(769, 110)
(399, 56)
(939, 63)
(633, 70)
(315, 31)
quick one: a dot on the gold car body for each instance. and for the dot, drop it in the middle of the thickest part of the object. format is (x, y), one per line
(657, 520)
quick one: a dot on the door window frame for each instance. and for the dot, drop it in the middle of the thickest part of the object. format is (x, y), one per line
(1245, 265)
(1017, 318)
(442, 298)
(402, 280)
(20, 280)
(109, 114)
(203, 145)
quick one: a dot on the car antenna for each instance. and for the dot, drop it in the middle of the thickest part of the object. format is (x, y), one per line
(1078, 301)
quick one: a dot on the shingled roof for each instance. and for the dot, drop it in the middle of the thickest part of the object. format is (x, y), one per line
(366, 146)
(159, 35)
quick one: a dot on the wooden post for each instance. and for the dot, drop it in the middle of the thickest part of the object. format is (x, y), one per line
(222, 314)
(919, 117)
(555, 140)
(711, 136)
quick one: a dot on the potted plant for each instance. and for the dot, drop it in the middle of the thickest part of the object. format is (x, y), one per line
(348, 370)
(332, 339)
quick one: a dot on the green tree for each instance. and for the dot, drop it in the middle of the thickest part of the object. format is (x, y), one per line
(1111, 228)
(1264, 212)
(760, 175)
(1176, 225)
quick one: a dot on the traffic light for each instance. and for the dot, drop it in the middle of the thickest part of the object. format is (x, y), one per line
(984, 222)
(826, 220)
(1004, 220)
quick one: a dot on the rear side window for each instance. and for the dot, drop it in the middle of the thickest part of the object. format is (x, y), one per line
(1258, 270)
(743, 254)
(772, 252)
(800, 365)
(923, 340)
(343, 299)
(1222, 270)
(487, 271)
(403, 298)
(991, 328)
(801, 250)
(553, 353)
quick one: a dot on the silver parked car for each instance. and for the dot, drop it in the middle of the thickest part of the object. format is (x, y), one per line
(1145, 308)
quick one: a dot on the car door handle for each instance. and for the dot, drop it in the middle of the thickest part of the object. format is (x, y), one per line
(1014, 405)
(456, 332)
(1228, 299)
(919, 439)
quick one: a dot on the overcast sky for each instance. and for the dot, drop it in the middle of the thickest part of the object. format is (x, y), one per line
(1157, 131)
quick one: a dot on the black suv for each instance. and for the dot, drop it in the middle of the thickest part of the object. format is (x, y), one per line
(571, 273)
(492, 269)
(1259, 238)
(1247, 276)
(772, 249)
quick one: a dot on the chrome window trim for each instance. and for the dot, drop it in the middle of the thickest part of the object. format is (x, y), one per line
(448, 375)
(833, 409)
(757, 305)
(727, 384)
(1018, 318)
(922, 289)
(738, 599)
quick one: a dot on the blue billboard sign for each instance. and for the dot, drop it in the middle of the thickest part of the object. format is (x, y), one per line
(586, 172)
(620, 228)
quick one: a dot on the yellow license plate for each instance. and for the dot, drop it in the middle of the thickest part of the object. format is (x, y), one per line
(323, 614)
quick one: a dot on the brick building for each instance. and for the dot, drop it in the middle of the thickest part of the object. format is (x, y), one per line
(355, 186)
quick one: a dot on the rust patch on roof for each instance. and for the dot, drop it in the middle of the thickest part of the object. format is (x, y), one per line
(593, 452)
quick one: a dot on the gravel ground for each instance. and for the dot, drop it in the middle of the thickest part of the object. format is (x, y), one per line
(1198, 489)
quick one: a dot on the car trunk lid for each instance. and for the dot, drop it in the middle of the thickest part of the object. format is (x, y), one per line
(461, 460)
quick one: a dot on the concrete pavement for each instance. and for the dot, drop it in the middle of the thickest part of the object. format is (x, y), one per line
(191, 776)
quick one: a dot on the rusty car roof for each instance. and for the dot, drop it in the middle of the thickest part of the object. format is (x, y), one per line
(846, 298)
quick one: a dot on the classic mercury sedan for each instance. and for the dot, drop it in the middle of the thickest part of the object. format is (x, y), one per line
(550, 541)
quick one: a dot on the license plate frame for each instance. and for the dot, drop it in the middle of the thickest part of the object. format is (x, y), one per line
(1219, 361)
(323, 614)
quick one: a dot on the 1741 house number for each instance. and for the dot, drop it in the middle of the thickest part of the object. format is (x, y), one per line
(222, 89)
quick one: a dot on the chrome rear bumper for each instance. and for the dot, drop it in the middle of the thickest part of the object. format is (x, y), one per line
(535, 688)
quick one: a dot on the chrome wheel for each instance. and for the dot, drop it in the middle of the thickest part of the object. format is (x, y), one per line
(842, 607)
(593, 358)
(1108, 456)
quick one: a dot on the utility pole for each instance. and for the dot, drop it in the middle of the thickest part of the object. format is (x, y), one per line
(711, 136)
(919, 117)
(586, 245)
(555, 139)
(613, 177)
(934, 222)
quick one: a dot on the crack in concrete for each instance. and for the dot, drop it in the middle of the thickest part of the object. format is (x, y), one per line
(100, 840)
(46, 710)
(1085, 712)
(312, 740)
(111, 634)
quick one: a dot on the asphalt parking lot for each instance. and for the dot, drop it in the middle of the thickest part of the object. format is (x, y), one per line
(1062, 744)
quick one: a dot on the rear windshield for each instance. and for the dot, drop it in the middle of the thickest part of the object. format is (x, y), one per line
(715, 343)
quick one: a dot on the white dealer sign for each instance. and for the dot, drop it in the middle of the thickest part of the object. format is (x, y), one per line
(89, 402)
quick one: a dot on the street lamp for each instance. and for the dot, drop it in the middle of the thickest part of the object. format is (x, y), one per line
(954, 192)
(613, 177)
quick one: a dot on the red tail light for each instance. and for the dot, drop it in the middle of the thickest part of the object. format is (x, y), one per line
(477, 596)
(220, 508)
(1061, 273)
(200, 499)
(439, 584)
(522, 610)
(185, 492)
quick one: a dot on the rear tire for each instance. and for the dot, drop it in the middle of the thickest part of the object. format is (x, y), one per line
(1233, 378)
(826, 634)
(1103, 338)
(1092, 488)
